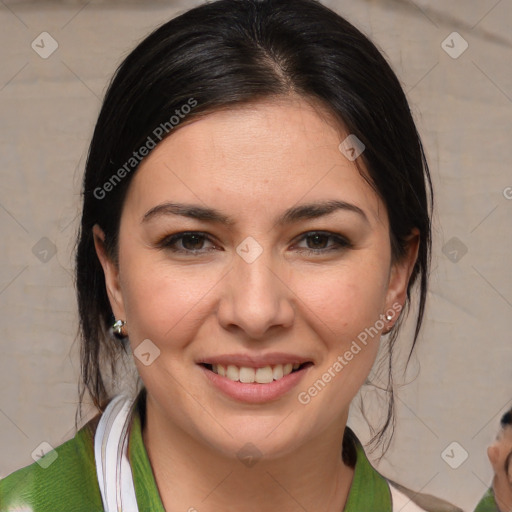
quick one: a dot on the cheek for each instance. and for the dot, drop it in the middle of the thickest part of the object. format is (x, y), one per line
(344, 310)
(345, 300)
(161, 302)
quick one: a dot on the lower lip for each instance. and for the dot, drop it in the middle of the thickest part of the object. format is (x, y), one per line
(255, 393)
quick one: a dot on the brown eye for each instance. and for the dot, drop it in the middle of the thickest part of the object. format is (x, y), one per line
(190, 242)
(317, 242)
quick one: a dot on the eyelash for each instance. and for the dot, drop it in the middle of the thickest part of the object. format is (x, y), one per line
(170, 241)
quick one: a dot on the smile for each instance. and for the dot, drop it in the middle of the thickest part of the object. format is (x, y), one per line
(255, 384)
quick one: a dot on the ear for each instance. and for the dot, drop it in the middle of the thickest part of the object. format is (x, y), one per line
(401, 271)
(111, 271)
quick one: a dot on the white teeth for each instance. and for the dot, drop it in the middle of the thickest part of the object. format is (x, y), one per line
(249, 375)
(264, 375)
(232, 372)
(277, 371)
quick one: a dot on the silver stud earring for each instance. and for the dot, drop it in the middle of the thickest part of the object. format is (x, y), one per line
(389, 317)
(118, 328)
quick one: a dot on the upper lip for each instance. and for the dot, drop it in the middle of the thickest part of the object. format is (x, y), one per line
(253, 361)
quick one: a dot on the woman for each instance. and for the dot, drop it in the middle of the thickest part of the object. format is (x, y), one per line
(256, 215)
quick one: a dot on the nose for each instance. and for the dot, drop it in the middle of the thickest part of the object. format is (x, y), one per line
(256, 297)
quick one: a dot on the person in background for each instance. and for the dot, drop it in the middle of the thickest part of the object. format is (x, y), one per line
(499, 497)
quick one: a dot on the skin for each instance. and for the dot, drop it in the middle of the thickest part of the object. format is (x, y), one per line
(502, 482)
(277, 154)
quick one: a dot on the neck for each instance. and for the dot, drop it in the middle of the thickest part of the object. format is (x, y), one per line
(193, 476)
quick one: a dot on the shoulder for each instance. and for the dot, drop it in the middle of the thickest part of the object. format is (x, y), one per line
(406, 500)
(62, 480)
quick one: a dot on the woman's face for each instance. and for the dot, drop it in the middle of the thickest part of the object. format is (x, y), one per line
(287, 260)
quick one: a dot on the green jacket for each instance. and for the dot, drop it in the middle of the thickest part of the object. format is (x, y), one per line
(65, 479)
(69, 483)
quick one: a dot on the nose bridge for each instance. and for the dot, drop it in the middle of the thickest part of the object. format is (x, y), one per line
(253, 271)
(258, 299)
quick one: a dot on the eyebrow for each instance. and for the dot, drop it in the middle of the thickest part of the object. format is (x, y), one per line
(294, 214)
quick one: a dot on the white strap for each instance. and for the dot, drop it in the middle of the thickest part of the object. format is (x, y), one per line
(401, 503)
(113, 469)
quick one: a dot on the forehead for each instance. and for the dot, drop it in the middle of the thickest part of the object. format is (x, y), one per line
(275, 153)
(506, 433)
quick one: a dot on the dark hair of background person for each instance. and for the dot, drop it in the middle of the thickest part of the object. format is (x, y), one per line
(506, 419)
(232, 52)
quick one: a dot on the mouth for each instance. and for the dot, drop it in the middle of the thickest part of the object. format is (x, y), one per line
(252, 375)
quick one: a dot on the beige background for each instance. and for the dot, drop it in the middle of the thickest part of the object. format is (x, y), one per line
(460, 379)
